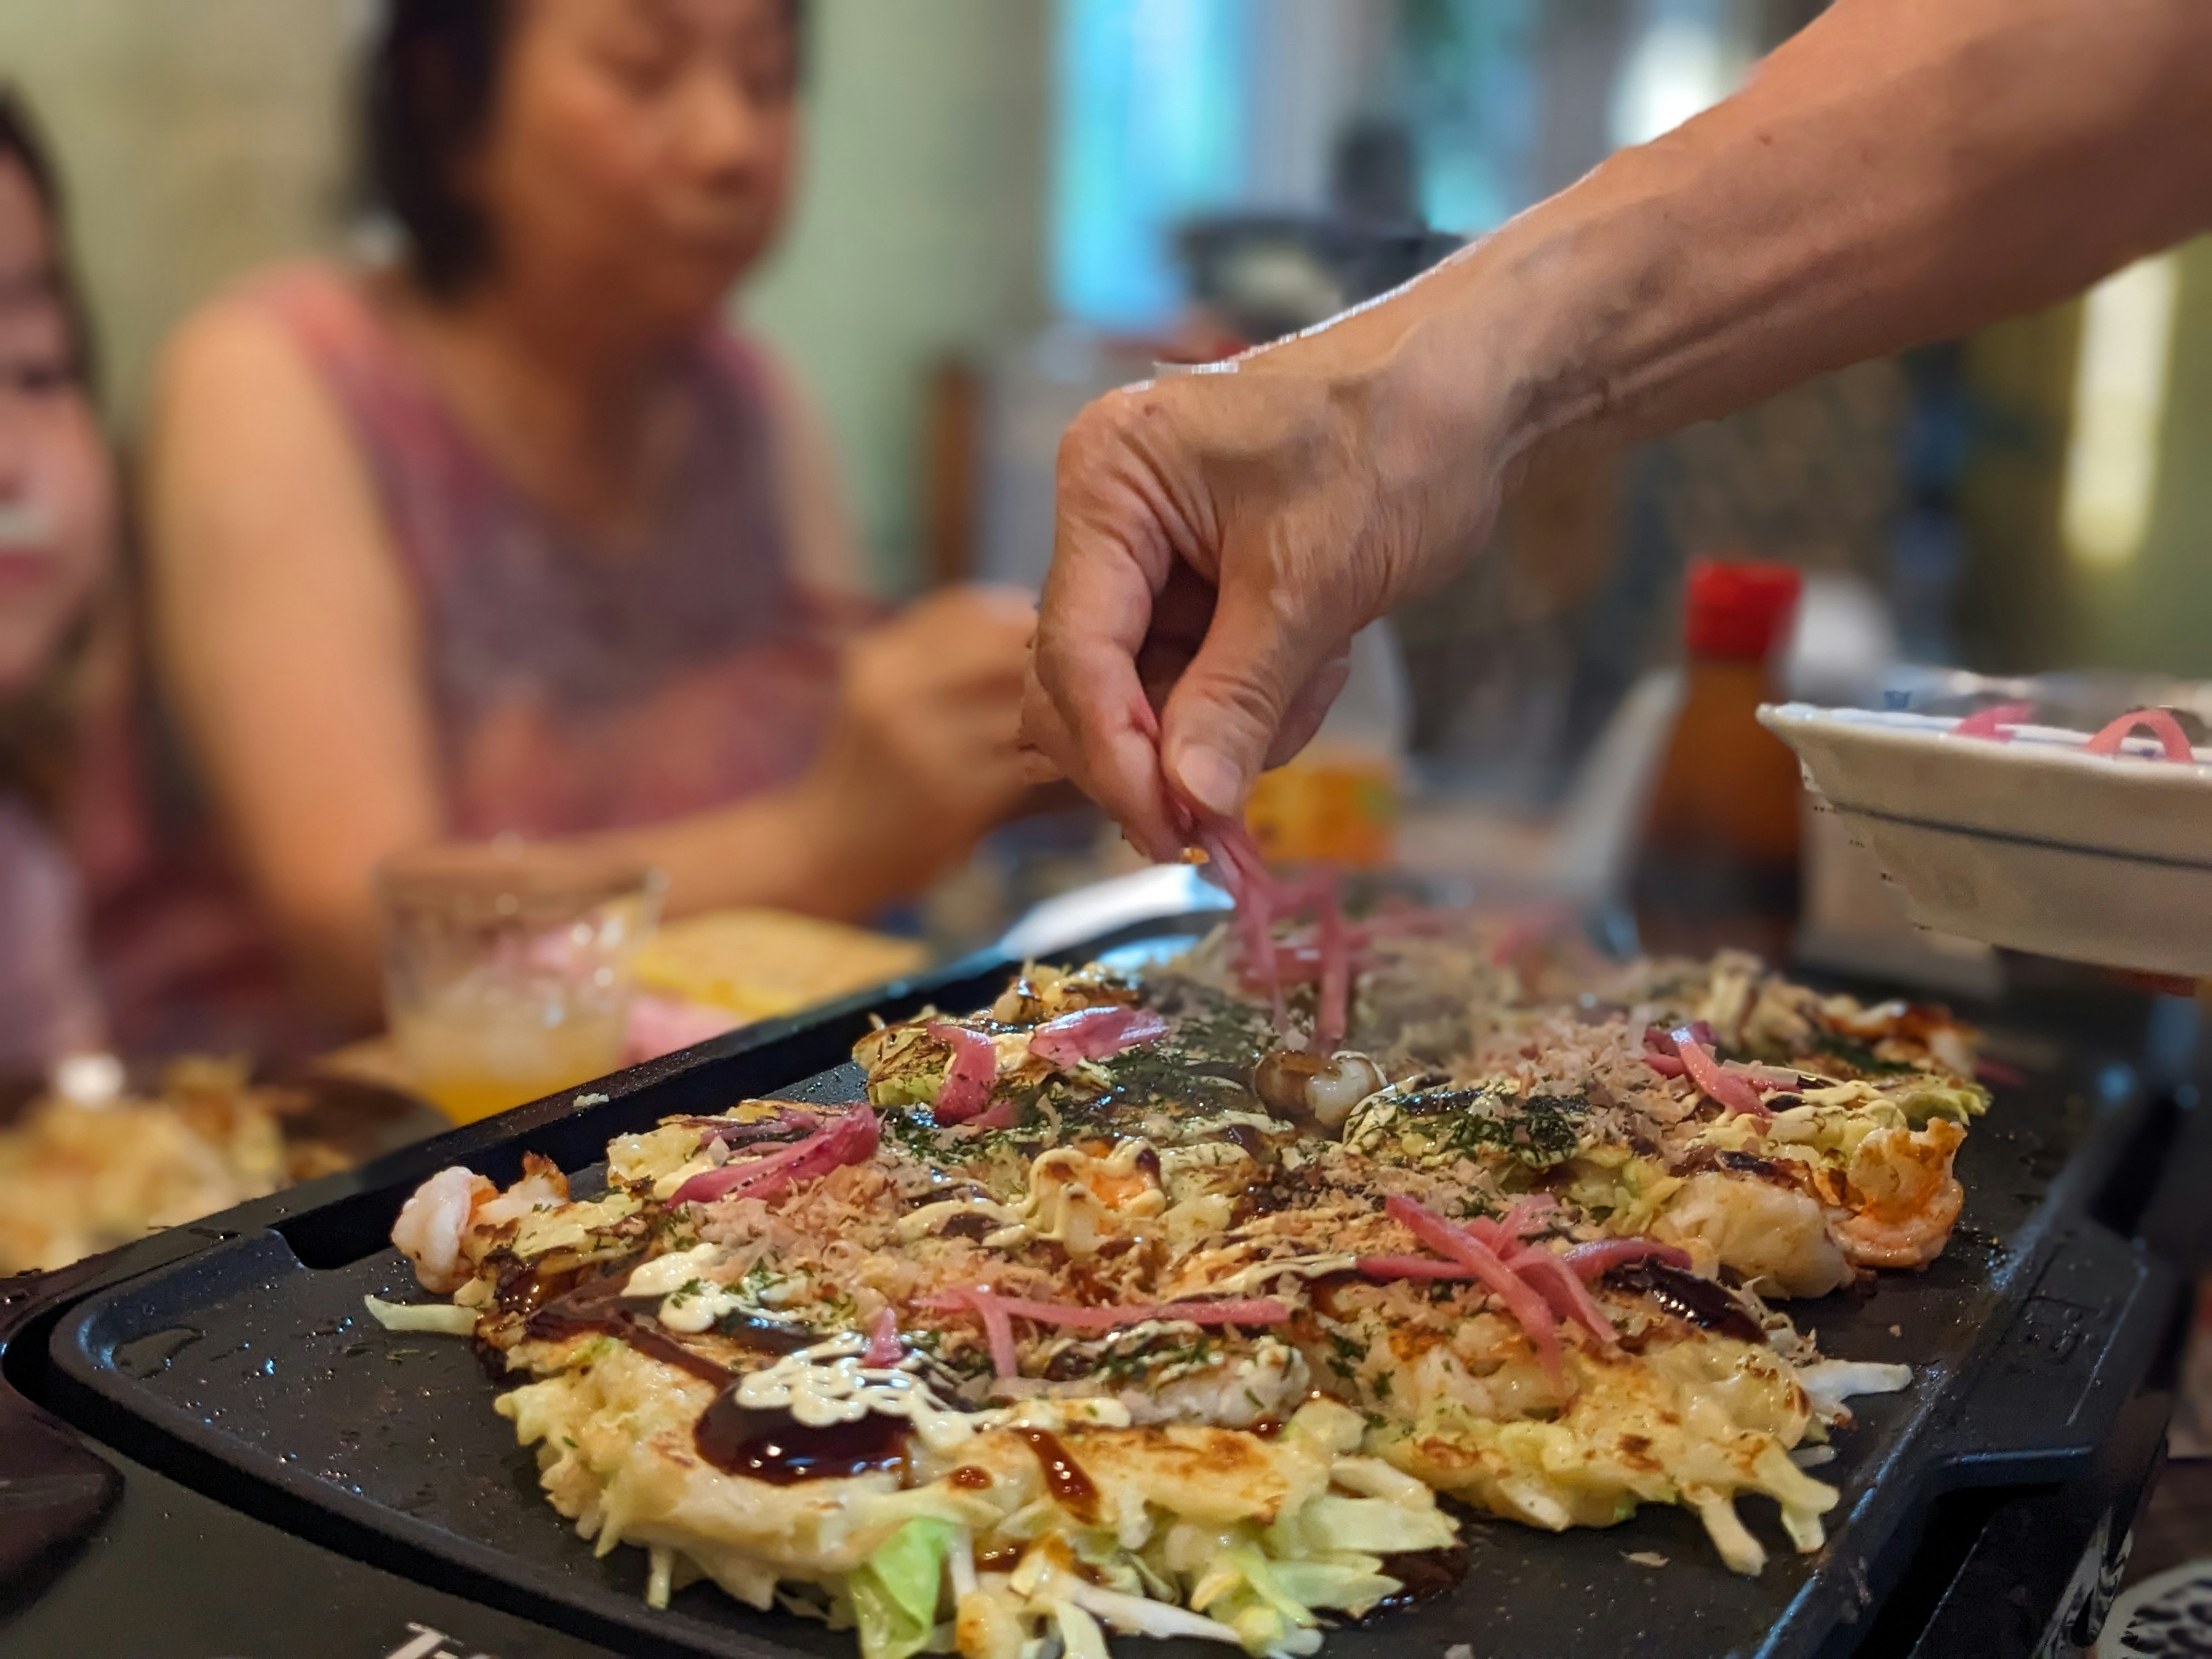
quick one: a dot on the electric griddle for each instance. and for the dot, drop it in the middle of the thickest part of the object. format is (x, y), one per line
(207, 1447)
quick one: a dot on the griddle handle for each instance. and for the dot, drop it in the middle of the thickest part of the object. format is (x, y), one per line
(2075, 1350)
(53, 1488)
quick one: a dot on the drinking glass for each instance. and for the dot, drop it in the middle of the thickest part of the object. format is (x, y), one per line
(507, 967)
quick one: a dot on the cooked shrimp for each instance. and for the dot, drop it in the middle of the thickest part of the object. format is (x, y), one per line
(447, 1226)
(432, 1224)
(542, 1186)
(1905, 1197)
(1775, 1236)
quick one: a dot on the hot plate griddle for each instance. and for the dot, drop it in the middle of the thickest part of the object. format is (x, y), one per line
(253, 1370)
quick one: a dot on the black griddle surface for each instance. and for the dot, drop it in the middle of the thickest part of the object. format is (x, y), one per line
(267, 1378)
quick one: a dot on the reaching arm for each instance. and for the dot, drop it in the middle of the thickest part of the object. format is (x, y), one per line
(294, 656)
(1897, 172)
(287, 640)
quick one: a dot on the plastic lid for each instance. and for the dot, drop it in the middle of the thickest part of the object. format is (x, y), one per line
(1739, 609)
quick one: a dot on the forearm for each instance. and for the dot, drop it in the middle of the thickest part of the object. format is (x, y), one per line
(790, 848)
(783, 849)
(1900, 172)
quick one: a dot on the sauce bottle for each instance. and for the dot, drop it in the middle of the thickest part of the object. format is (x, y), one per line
(1719, 863)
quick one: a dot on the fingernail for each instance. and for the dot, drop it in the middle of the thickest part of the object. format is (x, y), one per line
(1210, 778)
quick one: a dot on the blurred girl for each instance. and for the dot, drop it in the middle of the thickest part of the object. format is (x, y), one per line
(57, 556)
(516, 537)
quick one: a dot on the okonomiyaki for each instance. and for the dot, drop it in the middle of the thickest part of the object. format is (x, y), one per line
(1173, 1304)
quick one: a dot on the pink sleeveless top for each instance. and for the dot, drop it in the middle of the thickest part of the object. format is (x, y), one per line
(573, 687)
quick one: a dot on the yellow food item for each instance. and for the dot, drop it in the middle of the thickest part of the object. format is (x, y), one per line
(75, 1180)
(1342, 809)
(1695, 1423)
(759, 964)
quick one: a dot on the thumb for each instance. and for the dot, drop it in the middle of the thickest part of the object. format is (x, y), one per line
(1310, 707)
(1226, 718)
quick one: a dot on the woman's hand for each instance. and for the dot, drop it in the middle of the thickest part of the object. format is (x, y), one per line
(923, 757)
(1221, 536)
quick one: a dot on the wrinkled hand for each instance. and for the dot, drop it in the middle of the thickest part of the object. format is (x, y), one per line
(923, 755)
(1220, 538)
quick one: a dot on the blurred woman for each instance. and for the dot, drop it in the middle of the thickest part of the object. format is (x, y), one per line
(515, 536)
(57, 556)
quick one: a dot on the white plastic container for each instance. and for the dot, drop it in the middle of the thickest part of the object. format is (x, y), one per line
(2031, 843)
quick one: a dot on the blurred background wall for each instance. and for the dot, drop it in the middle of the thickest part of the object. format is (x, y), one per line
(920, 235)
(2144, 593)
(1002, 216)
(197, 141)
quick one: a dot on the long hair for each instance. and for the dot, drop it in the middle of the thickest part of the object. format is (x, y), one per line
(39, 725)
(23, 143)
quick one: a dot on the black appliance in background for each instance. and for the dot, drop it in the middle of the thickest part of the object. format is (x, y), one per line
(204, 1454)
(1260, 276)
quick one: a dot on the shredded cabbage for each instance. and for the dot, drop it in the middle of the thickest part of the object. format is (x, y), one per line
(1370, 1526)
(1961, 1104)
(1080, 1636)
(1245, 1591)
(438, 1318)
(1141, 1617)
(1351, 1585)
(660, 1575)
(1832, 1381)
(895, 1592)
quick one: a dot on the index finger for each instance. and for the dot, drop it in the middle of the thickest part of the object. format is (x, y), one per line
(1110, 558)
(1097, 724)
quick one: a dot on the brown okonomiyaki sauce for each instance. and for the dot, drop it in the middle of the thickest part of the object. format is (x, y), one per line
(1322, 1289)
(597, 1304)
(776, 1447)
(530, 1287)
(1063, 1478)
(1684, 1295)
(1425, 1574)
(552, 1323)
(1250, 1141)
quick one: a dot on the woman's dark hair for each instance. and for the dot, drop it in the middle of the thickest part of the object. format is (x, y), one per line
(432, 81)
(21, 142)
(38, 725)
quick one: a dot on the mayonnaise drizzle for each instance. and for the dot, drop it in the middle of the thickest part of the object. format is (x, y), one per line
(1245, 1280)
(827, 1383)
(692, 1311)
(920, 1223)
(669, 1273)
(690, 1302)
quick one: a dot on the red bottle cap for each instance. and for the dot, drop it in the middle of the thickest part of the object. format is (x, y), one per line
(1738, 609)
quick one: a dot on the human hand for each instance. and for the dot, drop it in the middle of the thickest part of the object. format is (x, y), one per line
(1221, 536)
(923, 754)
